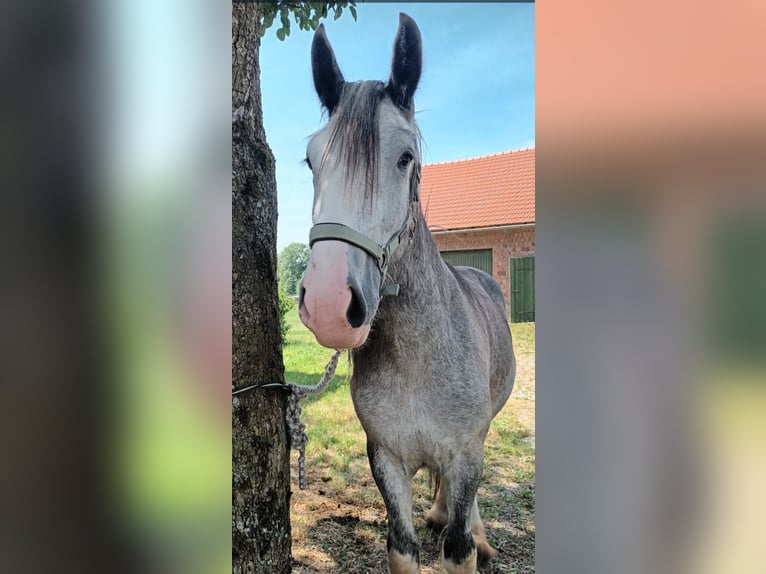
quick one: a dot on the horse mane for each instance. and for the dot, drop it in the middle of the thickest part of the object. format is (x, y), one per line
(354, 132)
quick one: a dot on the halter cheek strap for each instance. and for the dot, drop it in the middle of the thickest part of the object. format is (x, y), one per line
(381, 253)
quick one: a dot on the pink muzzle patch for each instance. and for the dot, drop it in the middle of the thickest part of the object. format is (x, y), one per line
(327, 297)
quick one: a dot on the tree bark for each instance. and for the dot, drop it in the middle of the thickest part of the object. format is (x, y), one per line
(260, 456)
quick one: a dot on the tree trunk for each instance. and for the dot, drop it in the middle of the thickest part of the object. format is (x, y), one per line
(260, 455)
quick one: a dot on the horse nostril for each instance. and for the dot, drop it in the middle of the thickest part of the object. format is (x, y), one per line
(357, 311)
(301, 296)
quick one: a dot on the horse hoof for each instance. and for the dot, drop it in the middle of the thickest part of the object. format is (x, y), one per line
(485, 553)
(468, 566)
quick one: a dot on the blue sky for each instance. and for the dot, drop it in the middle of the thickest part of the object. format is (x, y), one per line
(476, 94)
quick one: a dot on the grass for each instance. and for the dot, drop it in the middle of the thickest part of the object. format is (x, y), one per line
(339, 522)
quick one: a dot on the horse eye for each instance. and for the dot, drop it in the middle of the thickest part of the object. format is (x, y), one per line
(405, 160)
(308, 163)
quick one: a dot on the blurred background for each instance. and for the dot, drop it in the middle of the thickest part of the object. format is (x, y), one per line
(651, 318)
(651, 323)
(116, 289)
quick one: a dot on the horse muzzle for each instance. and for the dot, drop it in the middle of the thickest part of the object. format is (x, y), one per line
(335, 304)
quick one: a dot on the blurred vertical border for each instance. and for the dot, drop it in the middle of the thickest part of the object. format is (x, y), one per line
(116, 300)
(651, 275)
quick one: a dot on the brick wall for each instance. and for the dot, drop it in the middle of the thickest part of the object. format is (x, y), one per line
(505, 243)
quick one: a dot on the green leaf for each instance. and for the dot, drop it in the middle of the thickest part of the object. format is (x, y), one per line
(268, 20)
(307, 15)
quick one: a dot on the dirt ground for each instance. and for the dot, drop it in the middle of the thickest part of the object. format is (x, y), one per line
(341, 535)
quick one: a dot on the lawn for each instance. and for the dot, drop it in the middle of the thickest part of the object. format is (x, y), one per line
(339, 522)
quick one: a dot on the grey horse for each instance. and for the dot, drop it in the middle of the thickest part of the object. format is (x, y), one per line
(431, 349)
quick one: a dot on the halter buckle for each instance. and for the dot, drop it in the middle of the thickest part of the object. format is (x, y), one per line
(383, 259)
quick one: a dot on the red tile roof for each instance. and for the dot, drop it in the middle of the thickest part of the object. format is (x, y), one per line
(486, 191)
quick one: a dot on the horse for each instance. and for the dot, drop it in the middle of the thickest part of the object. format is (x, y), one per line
(431, 350)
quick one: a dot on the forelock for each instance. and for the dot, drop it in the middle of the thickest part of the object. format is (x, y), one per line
(355, 134)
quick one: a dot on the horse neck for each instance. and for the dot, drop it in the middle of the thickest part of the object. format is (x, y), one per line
(411, 317)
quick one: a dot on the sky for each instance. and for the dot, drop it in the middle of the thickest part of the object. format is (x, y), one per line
(166, 81)
(476, 95)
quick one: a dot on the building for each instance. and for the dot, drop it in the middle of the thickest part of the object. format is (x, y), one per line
(481, 212)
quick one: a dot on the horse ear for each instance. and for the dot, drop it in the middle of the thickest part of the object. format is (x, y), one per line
(328, 80)
(407, 63)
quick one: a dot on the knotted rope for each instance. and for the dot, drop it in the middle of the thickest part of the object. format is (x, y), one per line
(295, 426)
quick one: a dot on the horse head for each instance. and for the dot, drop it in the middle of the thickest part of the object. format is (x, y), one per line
(366, 171)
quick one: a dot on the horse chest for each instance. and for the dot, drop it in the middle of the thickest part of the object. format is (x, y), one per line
(407, 422)
(383, 411)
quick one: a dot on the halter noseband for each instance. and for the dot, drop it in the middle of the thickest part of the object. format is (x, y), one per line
(381, 253)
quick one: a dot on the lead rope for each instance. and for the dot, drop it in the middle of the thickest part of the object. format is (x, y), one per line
(297, 428)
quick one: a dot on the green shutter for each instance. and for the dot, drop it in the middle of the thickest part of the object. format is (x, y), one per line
(736, 308)
(522, 290)
(479, 258)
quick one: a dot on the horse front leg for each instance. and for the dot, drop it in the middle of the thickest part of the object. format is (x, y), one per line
(462, 482)
(395, 485)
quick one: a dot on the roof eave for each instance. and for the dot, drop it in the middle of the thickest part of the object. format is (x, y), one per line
(485, 228)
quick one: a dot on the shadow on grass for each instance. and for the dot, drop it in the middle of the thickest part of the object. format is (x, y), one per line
(353, 531)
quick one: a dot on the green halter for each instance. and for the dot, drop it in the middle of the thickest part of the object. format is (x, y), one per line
(381, 253)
